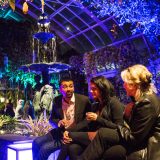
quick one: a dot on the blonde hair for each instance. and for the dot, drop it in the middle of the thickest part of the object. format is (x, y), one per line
(140, 76)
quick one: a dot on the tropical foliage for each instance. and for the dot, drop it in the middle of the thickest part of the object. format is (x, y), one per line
(6, 120)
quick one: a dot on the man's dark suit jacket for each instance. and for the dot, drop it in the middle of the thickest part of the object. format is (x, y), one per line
(82, 105)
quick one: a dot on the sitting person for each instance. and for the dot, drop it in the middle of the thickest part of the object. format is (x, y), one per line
(143, 118)
(9, 111)
(107, 111)
(68, 113)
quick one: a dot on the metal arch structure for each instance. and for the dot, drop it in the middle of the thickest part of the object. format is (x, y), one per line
(91, 34)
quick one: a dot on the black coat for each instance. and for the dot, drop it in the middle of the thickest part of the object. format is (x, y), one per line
(111, 116)
(143, 122)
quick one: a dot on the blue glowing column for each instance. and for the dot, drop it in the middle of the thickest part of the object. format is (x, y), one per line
(21, 151)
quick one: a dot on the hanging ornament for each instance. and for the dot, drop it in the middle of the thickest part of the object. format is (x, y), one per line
(114, 31)
(42, 3)
(12, 4)
(25, 8)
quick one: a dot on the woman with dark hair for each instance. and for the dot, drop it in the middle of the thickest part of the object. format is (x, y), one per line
(143, 119)
(107, 111)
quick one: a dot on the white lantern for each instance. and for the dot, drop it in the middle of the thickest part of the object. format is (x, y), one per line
(20, 151)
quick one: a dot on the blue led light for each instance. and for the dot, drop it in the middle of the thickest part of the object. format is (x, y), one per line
(143, 15)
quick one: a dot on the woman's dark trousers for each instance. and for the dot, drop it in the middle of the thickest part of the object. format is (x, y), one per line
(105, 139)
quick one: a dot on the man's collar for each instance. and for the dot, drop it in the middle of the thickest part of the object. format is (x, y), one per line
(72, 99)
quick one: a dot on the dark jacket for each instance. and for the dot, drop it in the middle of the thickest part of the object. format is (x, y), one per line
(82, 105)
(142, 123)
(112, 115)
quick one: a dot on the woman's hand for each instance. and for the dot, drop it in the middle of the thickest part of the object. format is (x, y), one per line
(91, 116)
(66, 138)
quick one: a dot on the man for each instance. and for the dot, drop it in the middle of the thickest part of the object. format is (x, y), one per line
(68, 114)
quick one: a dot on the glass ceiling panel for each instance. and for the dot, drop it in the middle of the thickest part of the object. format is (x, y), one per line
(63, 1)
(102, 34)
(36, 2)
(127, 29)
(77, 45)
(120, 34)
(92, 36)
(70, 28)
(76, 9)
(50, 3)
(66, 24)
(38, 12)
(64, 47)
(56, 5)
(87, 18)
(32, 8)
(66, 13)
(109, 23)
(60, 19)
(86, 43)
(56, 27)
(48, 9)
(103, 18)
(79, 23)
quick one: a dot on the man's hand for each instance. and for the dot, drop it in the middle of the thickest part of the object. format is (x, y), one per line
(62, 123)
(66, 138)
(91, 116)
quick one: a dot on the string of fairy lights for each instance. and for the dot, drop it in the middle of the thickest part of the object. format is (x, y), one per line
(143, 15)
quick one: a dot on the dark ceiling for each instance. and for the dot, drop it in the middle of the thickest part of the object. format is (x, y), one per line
(77, 26)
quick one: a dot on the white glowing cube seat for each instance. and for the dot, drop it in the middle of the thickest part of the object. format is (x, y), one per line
(20, 151)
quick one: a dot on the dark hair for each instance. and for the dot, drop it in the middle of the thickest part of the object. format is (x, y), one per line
(65, 79)
(105, 87)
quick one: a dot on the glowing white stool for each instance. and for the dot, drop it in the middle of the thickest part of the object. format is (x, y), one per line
(20, 151)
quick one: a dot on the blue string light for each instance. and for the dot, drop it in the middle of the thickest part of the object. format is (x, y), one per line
(143, 15)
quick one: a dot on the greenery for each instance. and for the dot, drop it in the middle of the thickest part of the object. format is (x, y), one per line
(6, 120)
(114, 60)
(2, 106)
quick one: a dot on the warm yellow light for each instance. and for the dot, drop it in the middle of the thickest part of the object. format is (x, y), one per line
(25, 8)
